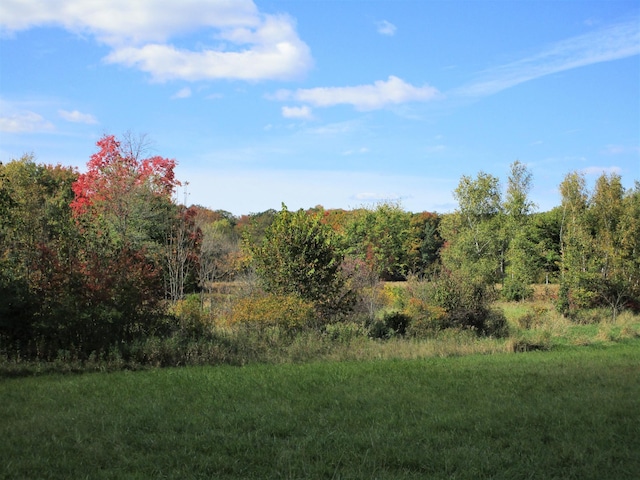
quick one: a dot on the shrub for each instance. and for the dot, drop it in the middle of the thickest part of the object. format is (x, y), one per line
(428, 322)
(466, 303)
(344, 332)
(192, 319)
(389, 324)
(301, 256)
(287, 311)
(515, 290)
(495, 324)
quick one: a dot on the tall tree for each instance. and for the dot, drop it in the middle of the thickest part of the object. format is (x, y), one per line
(126, 195)
(38, 245)
(124, 208)
(576, 245)
(520, 255)
(546, 228)
(471, 243)
(613, 217)
(183, 244)
(517, 203)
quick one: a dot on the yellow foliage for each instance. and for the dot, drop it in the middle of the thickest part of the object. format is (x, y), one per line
(425, 319)
(286, 311)
(395, 295)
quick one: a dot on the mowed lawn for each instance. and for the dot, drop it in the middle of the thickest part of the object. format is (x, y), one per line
(572, 413)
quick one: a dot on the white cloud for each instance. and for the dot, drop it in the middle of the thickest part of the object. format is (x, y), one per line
(253, 46)
(386, 28)
(182, 93)
(614, 42)
(620, 150)
(24, 122)
(297, 112)
(435, 148)
(125, 22)
(336, 129)
(381, 94)
(357, 151)
(601, 170)
(614, 150)
(77, 117)
(371, 197)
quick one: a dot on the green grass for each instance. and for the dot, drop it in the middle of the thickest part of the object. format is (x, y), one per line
(569, 413)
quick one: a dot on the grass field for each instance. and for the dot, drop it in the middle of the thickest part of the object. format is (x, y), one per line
(573, 412)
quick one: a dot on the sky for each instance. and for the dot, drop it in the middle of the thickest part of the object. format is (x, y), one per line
(339, 103)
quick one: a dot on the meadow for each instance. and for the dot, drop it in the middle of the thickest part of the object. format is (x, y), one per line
(572, 412)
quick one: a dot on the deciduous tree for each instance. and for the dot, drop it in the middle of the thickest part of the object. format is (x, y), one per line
(380, 237)
(302, 256)
(520, 257)
(472, 241)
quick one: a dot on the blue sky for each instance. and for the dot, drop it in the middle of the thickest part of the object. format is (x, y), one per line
(333, 103)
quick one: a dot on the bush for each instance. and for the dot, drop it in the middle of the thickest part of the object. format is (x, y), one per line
(466, 303)
(344, 332)
(515, 290)
(428, 322)
(287, 311)
(389, 324)
(192, 319)
(495, 324)
(302, 256)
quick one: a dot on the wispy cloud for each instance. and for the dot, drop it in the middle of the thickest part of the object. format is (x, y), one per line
(620, 150)
(336, 129)
(77, 117)
(601, 170)
(357, 151)
(380, 94)
(377, 197)
(386, 28)
(613, 42)
(251, 45)
(303, 112)
(182, 93)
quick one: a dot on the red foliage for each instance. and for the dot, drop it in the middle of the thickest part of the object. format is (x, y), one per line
(112, 174)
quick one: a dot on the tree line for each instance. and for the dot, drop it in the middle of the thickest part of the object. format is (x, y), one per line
(89, 261)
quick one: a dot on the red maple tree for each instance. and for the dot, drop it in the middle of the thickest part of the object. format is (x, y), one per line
(113, 176)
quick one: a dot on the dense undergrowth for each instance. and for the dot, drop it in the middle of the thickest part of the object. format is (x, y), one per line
(396, 331)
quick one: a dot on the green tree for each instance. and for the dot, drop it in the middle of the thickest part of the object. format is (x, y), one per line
(517, 204)
(546, 227)
(629, 231)
(299, 255)
(599, 243)
(470, 233)
(614, 219)
(575, 246)
(35, 227)
(520, 258)
(423, 242)
(380, 237)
